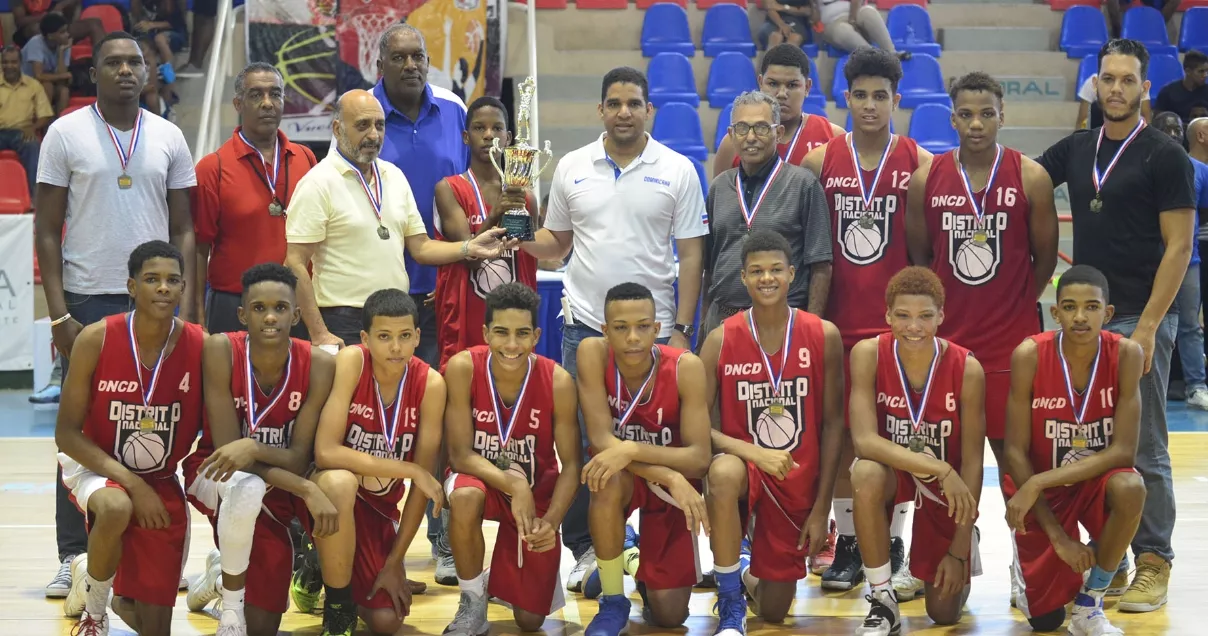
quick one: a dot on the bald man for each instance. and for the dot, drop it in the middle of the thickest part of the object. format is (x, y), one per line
(354, 214)
(1197, 139)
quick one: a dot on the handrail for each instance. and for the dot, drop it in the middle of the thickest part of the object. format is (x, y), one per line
(218, 50)
(534, 127)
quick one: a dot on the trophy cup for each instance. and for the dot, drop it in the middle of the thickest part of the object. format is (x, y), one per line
(519, 160)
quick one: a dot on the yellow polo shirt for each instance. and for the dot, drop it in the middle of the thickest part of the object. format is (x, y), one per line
(330, 208)
(23, 103)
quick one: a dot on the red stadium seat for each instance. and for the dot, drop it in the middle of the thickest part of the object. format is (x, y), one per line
(646, 4)
(81, 101)
(14, 187)
(10, 154)
(601, 4)
(71, 108)
(547, 4)
(1191, 4)
(1062, 5)
(111, 20)
(705, 4)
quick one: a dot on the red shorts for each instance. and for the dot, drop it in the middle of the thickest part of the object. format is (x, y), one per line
(667, 540)
(1048, 582)
(531, 586)
(933, 528)
(998, 387)
(778, 523)
(376, 533)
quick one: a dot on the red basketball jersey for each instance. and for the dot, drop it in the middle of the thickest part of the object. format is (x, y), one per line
(865, 258)
(115, 414)
(745, 395)
(462, 290)
(1057, 438)
(530, 444)
(655, 421)
(991, 304)
(814, 131)
(367, 427)
(941, 422)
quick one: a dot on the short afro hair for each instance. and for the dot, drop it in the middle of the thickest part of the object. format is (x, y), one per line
(150, 250)
(785, 55)
(1083, 275)
(268, 273)
(765, 241)
(915, 281)
(512, 296)
(975, 82)
(867, 61)
(388, 303)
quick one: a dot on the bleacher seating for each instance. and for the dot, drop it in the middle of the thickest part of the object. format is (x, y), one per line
(727, 29)
(723, 122)
(1193, 34)
(922, 82)
(931, 127)
(677, 126)
(886, 5)
(839, 83)
(910, 27)
(111, 20)
(1083, 31)
(1147, 26)
(665, 30)
(1065, 5)
(700, 174)
(705, 5)
(848, 124)
(14, 187)
(671, 80)
(814, 109)
(1163, 69)
(817, 95)
(601, 4)
(730, 75)
(1086, 68)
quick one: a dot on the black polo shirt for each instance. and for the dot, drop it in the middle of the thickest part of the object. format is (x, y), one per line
(1124, 240)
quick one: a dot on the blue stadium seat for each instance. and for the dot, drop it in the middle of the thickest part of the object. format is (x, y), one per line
(817, 96)
(922, 82)
(677, 126)
(1086, 68)
(1147, 26)
(1083, 31)
(839, 84)
(125, 4)
(727, 29)
(1193, 35)
(671, 80)
(723, 122)
(700, 174)
(910, 27)
(931, 126)
(810, 46)
(814, 109)
(730, 75)
(665, 30)
(892, 127)
(1163, 69)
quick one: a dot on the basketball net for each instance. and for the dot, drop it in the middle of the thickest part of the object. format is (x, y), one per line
(369, 24)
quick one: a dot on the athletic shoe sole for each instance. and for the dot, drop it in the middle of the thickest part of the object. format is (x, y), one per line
(1139, 608)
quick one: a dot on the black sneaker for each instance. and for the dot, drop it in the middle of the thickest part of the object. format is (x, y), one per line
(848, 569)
(882, 619)
(897, 554)
(339, 620)
(708, 581)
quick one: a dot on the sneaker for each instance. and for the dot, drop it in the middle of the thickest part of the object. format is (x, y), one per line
(708, 581)
(897, 554)
(847, 571)
(612, 619)
(339, 620)
(1119, 584)
(820, 563)
(731, 615)
(306, 585)
(48, 395)
(905, 586)
(471, 617)
(61, 584)
(92, 625)
(446, 569)
(882, 619)
(1148, 590)
(417, 587)
(73, 604)
(1016, 590)
(1087, 618)
(206, 588)
(231, 623)
(184, 583)
(580, 572)
(1197, 399)
(190, 71)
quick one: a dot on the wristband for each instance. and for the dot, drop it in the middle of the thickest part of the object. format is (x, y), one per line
(465, 249)
(60, 320)
(963, 561)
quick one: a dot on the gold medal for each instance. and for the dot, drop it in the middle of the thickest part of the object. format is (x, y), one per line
(776, 408)
(1079, 441)
(917, 443)
(980, 236)
(125, 182)
(502, 462)
(146, 425)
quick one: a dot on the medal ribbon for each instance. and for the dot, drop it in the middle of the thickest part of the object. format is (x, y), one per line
(1080, 412)
(784, 349)
(272, 174)
(390, 425)
(376, 202)
(867, 194)
(506, 433)
(254, 419)
(123, 154)
(147, 393)
(916, 414)
(482, 206)
(1096, 178)
(796, 137)
(979, 207)
(633, 400)
(749, 214)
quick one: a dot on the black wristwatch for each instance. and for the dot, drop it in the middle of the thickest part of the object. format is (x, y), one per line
(687, 330)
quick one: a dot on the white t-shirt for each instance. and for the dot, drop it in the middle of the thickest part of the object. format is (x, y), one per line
(624, 222)
(1086, 92)
(104, 222)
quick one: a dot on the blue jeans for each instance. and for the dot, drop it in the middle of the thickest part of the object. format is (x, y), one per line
(1153, 452)
(1190, 337)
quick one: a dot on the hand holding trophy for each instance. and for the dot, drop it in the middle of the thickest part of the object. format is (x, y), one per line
(519, 165)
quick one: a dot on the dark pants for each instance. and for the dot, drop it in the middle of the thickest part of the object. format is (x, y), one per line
(27, 151)
(222, 315)
(343, 323)
(429, 351)
(69, 522)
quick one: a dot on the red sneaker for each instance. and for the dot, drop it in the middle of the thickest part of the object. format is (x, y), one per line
(819, 564)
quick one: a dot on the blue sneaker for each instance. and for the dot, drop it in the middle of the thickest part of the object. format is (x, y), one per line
(632, 540)
(731, 614)
(612, 619)
(744, 556)
(591, 584)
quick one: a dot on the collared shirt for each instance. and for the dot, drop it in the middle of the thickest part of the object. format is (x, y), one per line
(230, 207)
(37, 50)
(330, 208)
(623, 221)
(23, 103)
(751, 183)
(426, 150)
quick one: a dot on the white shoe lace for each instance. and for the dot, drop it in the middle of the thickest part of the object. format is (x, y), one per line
(464, 620)
(585, 560)
(63, 577)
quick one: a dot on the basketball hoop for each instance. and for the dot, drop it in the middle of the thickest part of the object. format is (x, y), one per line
(368, 25)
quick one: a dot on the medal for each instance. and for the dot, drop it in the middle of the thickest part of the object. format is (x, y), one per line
(275, 208)
(633, 400)
(1079, 440)
(917, 443)
(979, 207)
(916, 412)
(749, 214)
(1080, 411)
(866, 221)
(1097, 178)
(503, 462)
(147, 423)
(374, 201)
(254, 419)
(383, 233)
(389, 424)
(868, 193)
(124, 182)
(979, 236)
(777, 405)
(270, 178)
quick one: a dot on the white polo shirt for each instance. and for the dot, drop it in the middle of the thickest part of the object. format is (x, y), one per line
(624, 222)
(330, 207)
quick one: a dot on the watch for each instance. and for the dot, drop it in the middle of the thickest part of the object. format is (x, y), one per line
(687, 330)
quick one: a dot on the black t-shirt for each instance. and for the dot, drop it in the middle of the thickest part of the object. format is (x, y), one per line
(1124, 240)
(1175, 98)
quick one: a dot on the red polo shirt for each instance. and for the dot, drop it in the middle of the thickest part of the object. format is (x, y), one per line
(230, 208)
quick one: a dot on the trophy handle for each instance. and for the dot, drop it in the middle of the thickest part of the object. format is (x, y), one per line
(497, 148)
(547, 160)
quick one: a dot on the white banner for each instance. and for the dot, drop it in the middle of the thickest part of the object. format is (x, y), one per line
(16, 292)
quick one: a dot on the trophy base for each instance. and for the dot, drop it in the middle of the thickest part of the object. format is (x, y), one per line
(519, 225)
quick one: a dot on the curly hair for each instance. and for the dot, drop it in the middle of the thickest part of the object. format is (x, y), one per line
(915, 281)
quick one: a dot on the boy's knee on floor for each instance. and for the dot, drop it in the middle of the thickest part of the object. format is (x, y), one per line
(1050, 622)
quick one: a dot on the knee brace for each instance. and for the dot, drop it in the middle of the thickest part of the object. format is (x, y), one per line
(242, 497)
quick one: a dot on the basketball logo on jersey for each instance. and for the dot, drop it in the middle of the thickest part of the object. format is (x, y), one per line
(771, 427)
(273, 436)
(900, 430)
(143, 451)
(973, 262)
(522, 452)
(373, 442)
(862, 236)
(1072, 442)
(634, 431)
(493, 273)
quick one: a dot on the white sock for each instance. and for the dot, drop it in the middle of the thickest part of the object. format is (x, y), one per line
(897, 524)
(845, 524)
(878, 577)
(96, 595)
(473, 586)
(232, 599)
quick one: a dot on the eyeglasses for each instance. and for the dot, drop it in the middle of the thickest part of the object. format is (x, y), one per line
(761, 129)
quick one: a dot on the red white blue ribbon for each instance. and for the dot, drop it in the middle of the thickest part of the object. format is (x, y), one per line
(375, 201)
(270, 174)
(505, 432)
(916, 413)
(627, 414)
(1080, 410)
(979, 207)
(144, 391)
(774, 378)
(796, 137)
(867, 193)
(482, 206)
(748, 214)
(390, 424)
(1096, 177)
(123, 154)
(254, 419)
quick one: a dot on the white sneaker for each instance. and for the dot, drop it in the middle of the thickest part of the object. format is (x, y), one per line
(581, 571)
(471, 617)
(92, 625)
(1198, 399)
(905, 585)
(73, 605)
(1090, 621)
(61, 584)
(883, 618)
(1015, 589)
(231, 623)
(205, 588)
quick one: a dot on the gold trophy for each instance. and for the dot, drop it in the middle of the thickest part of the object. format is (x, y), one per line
(519, 161)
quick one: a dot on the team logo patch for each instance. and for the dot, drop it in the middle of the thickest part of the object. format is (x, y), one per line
(775, 422)
(375, 443)
(142, 449)
(521, 454)
(935, 437)
(863, 236)
(493, 273)
(974, 262)
(1072, 442)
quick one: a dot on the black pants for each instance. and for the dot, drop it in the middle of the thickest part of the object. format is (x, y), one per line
(70, 531)
(222, 315)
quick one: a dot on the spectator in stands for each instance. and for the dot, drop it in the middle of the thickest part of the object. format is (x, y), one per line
(164, 23)
(1198, 111)
(789, 21)
(848, 26)
(46, 57)
(1197, 148)
(1117, 8)
(1090, 115)
(28, 14)
(1179, 96)
(205, 12)
(24, 110)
